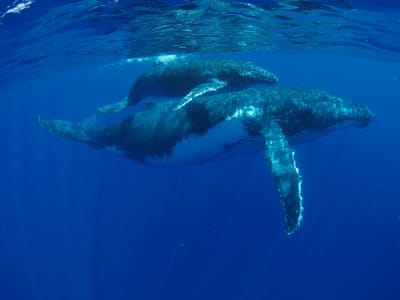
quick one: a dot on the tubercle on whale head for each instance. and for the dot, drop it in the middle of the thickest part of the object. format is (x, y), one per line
(268, 77)
(367, 117)
(259, 75)
(327, 111)
(253, 73)
(358, 114)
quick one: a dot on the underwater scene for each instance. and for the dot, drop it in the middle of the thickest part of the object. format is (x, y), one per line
(202, 150)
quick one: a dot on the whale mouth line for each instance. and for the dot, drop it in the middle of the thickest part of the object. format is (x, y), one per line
(348, 124)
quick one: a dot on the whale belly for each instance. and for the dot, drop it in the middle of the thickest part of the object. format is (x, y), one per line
(228, 138)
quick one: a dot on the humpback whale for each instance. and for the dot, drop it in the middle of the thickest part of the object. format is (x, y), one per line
(212, 125)
(191, 78)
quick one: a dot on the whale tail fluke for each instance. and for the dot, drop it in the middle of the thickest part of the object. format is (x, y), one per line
(114, 107)
(82, 131)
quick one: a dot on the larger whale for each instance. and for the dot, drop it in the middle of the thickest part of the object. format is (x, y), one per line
(190, 78)
(258, 118)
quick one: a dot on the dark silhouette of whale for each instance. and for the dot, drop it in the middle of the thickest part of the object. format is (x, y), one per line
(262, 118)
(191, 78)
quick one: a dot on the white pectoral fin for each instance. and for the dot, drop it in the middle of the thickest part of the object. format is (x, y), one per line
(280, 158)
(114, 107)
(210, 86)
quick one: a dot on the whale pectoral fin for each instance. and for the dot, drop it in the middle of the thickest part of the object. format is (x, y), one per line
(280, 158)
(114, 107)
(210, 86)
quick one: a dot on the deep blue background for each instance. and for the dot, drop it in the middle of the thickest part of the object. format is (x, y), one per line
(78, 223)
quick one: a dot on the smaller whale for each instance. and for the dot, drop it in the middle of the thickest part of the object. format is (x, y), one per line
(190, 78)
(262, 119)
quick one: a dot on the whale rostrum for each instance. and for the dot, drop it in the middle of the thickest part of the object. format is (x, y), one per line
(226, 122)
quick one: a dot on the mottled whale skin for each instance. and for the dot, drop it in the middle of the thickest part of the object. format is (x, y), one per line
(263, 116)
(190, 78)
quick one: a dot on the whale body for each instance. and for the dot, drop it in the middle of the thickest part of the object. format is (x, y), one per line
(190, 78)
(259, 118)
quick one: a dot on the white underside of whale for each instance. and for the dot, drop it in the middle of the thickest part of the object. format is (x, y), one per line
(223, 140)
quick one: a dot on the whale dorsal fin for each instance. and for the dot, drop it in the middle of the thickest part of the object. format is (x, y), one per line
(280, 158)
(204, 88)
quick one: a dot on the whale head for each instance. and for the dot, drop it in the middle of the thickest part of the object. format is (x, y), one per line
(253, 73)
(244, 74)
(327, 111)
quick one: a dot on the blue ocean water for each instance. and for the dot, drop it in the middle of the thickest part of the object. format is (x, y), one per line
(81, 223)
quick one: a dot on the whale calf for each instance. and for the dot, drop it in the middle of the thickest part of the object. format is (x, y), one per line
(259, 118)
(190, 78)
